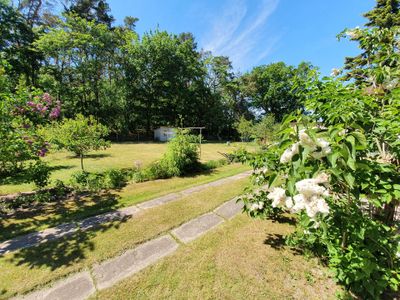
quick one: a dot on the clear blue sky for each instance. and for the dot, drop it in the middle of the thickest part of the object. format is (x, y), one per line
(254, 32)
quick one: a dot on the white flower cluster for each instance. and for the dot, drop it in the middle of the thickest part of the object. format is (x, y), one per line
(310, 196)
(307, 141)
(289, 153)
(278, 196)
(256, 206)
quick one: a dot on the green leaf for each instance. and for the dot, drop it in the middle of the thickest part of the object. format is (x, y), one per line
(349, 179)
(361, 140)
(351, 163)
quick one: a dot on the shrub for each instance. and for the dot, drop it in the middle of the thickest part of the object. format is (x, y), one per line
(60, 189)
(39, 173)
(213, 164)
(85, 181)
(181, 158)
(337, 170)
(239, 155)
(182, 155)
(94, 182)
(116, 178)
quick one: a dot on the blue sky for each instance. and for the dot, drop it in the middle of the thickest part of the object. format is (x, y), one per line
(255, 32)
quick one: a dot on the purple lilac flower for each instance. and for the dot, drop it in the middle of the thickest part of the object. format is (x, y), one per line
(39, 107)
(43, 110)
(47, 98)
(55, 112)
(42, 152)
(31, 104)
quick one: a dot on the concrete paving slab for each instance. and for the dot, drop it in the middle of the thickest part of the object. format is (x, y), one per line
(197, 227)
(159, 201)
(116, 269)
(229, 209)
(117, 215)
(76, 287)
(36, 238)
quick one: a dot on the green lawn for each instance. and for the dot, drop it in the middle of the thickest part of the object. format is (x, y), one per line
(242, 259)
(66, 211)
(119, 155)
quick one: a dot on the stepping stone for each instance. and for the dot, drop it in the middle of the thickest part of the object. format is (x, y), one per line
(194, 189)
(35, 238)
(76, 287)
(229, 209)
(159, 201)
(121, 214)
(197, 227)
(132, 261)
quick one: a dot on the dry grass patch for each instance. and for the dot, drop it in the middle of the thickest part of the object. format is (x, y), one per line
(242, 259)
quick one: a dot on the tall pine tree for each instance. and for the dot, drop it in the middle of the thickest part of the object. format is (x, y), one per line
(383, 17)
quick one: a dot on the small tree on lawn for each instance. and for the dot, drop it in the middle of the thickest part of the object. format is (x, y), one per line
(265, 130)
(80, 136)
(245, 129)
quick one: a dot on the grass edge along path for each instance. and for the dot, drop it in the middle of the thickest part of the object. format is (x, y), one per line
(133, 193)
(32, 268)
(240, 259)
(63, 230)
(115, 276)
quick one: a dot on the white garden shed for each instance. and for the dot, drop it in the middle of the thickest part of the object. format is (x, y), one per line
(164, 133)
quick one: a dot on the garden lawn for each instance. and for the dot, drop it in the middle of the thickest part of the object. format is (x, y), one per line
(241, 259)
(119, 155)
(26, 269)
(66, 211)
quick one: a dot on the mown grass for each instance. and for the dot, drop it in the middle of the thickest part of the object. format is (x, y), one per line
(66, 211)
(242, 259)
(35, 267)
(119, 155)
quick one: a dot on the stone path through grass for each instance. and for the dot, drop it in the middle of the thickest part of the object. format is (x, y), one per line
(109, 272)
(50, 234)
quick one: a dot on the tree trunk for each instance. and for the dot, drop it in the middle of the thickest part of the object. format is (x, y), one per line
(82, 162)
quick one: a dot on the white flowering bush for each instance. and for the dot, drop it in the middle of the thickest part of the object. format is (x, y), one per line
(337, 170)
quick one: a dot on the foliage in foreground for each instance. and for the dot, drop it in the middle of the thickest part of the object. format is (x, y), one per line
(337, 168)
(22, 145)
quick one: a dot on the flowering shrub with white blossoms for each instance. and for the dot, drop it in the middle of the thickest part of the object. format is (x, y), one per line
(318, 174)
(337, 172)
(337, 167)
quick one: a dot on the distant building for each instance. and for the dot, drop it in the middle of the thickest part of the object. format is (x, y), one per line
(164, 133)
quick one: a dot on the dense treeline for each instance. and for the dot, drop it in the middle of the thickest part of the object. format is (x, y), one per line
(130, 82)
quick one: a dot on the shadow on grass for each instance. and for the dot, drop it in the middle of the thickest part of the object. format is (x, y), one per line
(276, 241)
(56, 253)
(93, 155)
(80, 207)
(284, 219)
(65, 251)
(23, 177)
